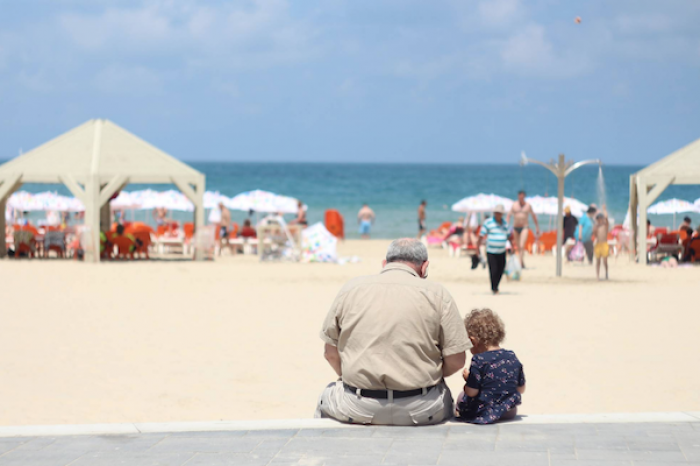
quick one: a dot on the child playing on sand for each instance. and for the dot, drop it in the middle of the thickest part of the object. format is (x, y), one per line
(495, 378)
(601, 251)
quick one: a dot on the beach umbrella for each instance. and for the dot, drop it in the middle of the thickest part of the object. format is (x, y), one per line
(481, 203)
(125, 200)
(672, 206)
(549, 205)
(263, 201)
(45, 201)
(170, 199)
(697, 204)
(212, 199)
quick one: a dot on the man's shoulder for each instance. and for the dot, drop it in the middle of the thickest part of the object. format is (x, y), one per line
(395, 279)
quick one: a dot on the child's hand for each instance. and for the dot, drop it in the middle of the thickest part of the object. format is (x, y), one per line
(465, 373)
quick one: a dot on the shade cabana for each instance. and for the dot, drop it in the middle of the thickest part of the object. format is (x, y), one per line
(681, 167)
(94, 161)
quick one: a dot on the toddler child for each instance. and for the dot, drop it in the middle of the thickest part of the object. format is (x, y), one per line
(495, 378)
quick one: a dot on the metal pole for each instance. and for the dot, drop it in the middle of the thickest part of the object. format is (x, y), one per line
(561, 176)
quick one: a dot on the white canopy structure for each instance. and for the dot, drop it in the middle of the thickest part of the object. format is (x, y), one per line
(95, 160)
(681, 167)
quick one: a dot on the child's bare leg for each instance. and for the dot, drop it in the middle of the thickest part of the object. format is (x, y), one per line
(605, 263)
(597, 268)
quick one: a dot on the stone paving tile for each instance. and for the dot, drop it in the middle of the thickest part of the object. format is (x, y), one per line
(286, 433)
(222, 433)
(40, 458)
(558, 462)
(9, 444)
(123, 443)
(468, 445)
(37, 443)
(228, 459)
(338, 446)
(449, 458)
(338, 433)
(205, 444)
(413, 432)
(109, 458)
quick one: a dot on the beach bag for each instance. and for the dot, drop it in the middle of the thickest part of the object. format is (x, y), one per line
(513, 268)
(577, 253)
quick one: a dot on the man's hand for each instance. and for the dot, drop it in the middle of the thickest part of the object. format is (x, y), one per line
(452, 363)
(465, 373)
(333, 357)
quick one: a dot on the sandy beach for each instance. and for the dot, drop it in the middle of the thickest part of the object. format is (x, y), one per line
(238, 339)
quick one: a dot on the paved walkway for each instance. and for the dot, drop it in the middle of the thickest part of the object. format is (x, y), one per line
(450, 444)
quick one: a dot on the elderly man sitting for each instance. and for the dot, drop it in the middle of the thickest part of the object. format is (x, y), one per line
(392, 338)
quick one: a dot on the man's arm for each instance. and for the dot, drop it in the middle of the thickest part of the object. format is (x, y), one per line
(453, 363)
(333, 357)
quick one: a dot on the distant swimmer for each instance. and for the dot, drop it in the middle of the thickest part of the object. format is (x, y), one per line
(521, 212)
(365, 217)
(421, 218)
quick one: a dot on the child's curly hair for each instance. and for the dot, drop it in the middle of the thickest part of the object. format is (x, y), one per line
(485, 326)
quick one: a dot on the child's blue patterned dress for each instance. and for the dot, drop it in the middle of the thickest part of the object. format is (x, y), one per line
(496, 374)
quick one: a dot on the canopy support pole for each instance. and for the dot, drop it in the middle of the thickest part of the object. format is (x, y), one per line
(634, 226)
(195, 193)
(8, 186)
(647, 192)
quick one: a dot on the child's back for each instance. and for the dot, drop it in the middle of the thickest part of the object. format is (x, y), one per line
(497, 375)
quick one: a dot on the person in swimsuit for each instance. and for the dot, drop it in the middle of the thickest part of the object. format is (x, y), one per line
(160, 215)
(301, 216)
(520, 211)
(365, 217)
(421, 218)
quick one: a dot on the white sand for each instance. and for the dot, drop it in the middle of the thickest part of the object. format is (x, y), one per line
(237, 339)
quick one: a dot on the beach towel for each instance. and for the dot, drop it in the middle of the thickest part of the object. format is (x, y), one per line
(577, 253)
(318, 244)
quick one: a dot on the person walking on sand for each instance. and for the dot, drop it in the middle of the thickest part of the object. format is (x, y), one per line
(570, 224)
(421, 218)
(495, 230)
(392, 338)
(365, 217)
(521, 211)
(585, 232)
(601, 250)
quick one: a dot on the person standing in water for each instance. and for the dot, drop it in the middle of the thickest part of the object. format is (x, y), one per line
(365, 217)
(520, 211)
(421, 218)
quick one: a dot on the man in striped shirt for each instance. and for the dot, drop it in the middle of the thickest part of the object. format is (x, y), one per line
(495, 230)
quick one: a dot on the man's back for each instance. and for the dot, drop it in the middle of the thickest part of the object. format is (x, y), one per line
(392, 330)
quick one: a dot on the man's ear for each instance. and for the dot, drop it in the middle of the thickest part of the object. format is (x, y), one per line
(384, 263)
(424, 269)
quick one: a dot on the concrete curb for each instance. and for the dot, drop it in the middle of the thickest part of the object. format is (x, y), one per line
(296, 424)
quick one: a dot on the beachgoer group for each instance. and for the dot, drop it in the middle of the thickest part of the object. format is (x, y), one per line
(393, 338)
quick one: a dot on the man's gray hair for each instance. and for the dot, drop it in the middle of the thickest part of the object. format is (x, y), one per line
(407, 250)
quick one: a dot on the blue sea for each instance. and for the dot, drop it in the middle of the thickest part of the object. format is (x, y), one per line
(394, 190)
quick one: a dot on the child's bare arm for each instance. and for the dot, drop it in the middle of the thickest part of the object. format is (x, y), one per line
(521, 389)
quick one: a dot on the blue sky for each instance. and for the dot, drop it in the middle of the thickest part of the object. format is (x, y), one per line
(357, 80)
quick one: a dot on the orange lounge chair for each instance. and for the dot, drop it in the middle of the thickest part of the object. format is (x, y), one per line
(334, 223)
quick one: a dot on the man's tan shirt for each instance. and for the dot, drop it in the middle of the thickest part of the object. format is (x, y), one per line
(393, 329)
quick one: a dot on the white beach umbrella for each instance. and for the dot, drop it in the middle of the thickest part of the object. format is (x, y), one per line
(170, 199)
(125, 200)
(212, 199)
(263, 201)
(550, 205)
(672, 206)
(45, 201)
(481, 203)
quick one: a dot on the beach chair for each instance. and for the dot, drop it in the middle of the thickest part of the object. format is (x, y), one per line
(694, 249)
(547, 241)
(54, 240)
(667, 244)
(143, 242)
(123, 246)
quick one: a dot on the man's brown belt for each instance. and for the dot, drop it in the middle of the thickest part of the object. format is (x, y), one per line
(384, 394)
